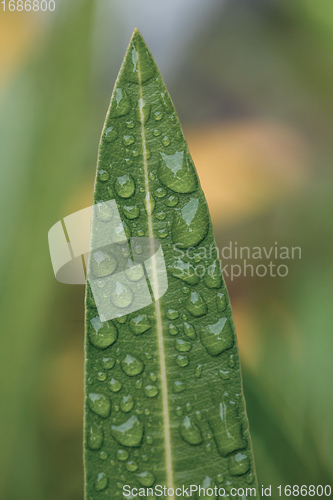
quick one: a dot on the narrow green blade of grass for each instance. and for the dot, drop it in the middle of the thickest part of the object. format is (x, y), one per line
(164, 399)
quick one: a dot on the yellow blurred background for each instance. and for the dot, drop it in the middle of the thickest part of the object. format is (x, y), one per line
(252, 81)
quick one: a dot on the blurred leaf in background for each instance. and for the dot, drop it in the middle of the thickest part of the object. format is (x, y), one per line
(252, 82)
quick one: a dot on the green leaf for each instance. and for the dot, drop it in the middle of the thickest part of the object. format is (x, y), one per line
(164, 399)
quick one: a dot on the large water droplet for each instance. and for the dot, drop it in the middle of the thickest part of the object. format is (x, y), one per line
(221, 301)
(190, 432)
(226, 427)
(213, 277)
(122, 455)
(182, 345)
(189, 331)
(182, 361)
(103, 334)
(129, 433)
(173, 330)
(132, 466)
(176, 172)
(217, 337)
(101, 481)
(196, 305)
(128, 140)
(142, 111)
(171, 201)
(239, 464)
(103, 264)
(127, 403)
(115, 385)
(132, 366)
(131, 211)
(140, 324)
(151, 391)
(121, 295)
(121, 103)
(95, 436)
(184, 271)
(172, 314)
(146, 478)
(103, 175)
(125, 186)
(160, 192)
(110, 134)
(99, 404)
(190, 223)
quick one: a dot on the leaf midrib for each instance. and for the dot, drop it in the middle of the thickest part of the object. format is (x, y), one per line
(157, 305)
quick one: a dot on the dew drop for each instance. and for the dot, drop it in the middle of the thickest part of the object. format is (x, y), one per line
(121, 103)
(103, 334)
(132, 466)
(103, 264)
(139, 72)
(176, 171)
(151, 391)
(165, 140)
(138, 383)
(103, 175)
(129, 433)
(101, 481)
(166, 101)
(99, 404)
(132, 366)
(162, 233)
(103, 455)
(213, 277)
(224, 374)
(95, 436)
(142, 111)
(221, 301)
(125, 186)
(217, 337)
(130, 124)
(179, 411)
(239, 464)
(219, 478)
(131, 211)
(115, 385)
(198, 371)
(182, 345)
(121, 295)
(160, 192)
(135, 273)
(158, 115)
(190, 432)
(189, 331)
(208, 483)
(171, 201)
(153, 377)
(157, 132)
(178, 386)
(172, 314)
(160, 215)
(127, 403)
(188, 407)
(190, 223)
(101, 376)
(182, 361)
(128, 140)
(173, 330)
(122, 455)
(152, 176)
(196, 305)
(146, 478)
(149, 440)
(111, 134)
(140, 324)
(184, 271)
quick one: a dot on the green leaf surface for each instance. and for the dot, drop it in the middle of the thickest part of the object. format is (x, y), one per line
(164, 399)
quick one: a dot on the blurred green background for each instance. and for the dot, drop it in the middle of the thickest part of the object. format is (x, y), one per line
(252, 81)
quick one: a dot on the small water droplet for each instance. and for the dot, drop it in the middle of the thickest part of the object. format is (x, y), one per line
(182, 345)
(103, 175)
(102, 335)
(101, 481)
(111, 134)
(179, 411)
(213, 277)
(196, 305)
(184, 271)
(146, 478)
(152, 176)
(125, 186)
(153, 377)
(140, 324)
(198, 371)
(121, 103)
(158, 115)
(157, 132)
(135, 273)
(132, 466)
(239, 464)
(130, 124)
(149, 440)
(217, 337)
(176, 171)
(101, 376)
(171, 201)
(189, 331)
(172, 314)
(121, 295)
(165, 140)
(219, 478)
(160, 215)
(129, 433)
(188, 407)
(128, 140)
(160, 192)
(99, 404)
(166, 101)
(103, 455)
(162, 233)
(151, 391)
(182, 361)
(108, 363)
(103, 264)
(127, 403)
(95, 436)
(231, 361)
(138, 383)
(190, 223)
(131, 211)
(142, 111)
(190, 432)
(115, 385)
(132, 366)
(221, 301)
(178, 386)
(224, 374)
(135, 71)
(173, 330)
(122, 455)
